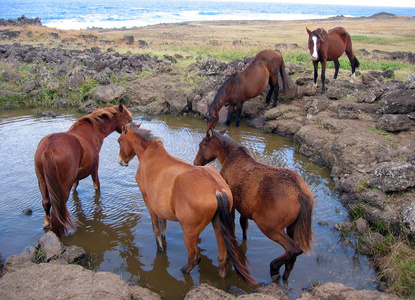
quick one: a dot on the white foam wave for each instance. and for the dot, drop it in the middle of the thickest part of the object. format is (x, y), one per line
(114, 21)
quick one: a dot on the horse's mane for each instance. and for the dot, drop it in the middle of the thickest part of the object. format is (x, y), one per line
(222, 90)
(320, 33)
(145, 133)
(99, 115)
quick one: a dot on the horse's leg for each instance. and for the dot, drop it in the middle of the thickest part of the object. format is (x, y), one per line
(162, 226)
(223, 256)
(292, 250)
(315, 65)
(231, 109)
(244, 225)
(238, 114)
(45, 203)
(290, 264)
(95, 178)
(156, 229)
(336, 67)
(271, 90)
(190, 241)
(323, 76)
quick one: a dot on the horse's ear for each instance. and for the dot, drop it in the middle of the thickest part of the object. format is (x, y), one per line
(222, 132)
(121, 108)
(138, 125)
(209, 133)
(110, 105)
(308, 31)
(124, 128)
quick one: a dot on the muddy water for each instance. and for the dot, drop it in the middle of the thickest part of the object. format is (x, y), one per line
(117, 231)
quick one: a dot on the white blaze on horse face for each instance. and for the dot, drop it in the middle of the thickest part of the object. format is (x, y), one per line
(314, 56)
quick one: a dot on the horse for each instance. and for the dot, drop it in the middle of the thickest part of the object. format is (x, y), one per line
(275, 198)
(177, 191)
(62, 159)
(244, 85)
(330, 46)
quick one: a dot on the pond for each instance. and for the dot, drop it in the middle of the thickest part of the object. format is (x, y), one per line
(117, 232)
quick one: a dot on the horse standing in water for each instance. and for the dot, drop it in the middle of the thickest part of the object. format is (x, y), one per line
(177, 191)
(275, 198)
(244, 85)
(62, 159)
(330, 46)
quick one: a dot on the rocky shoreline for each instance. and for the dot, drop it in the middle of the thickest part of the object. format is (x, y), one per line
(363, 131)
(50, 270)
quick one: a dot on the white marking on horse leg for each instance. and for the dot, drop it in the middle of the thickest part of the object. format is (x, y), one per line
(314, 56)
(353, 78)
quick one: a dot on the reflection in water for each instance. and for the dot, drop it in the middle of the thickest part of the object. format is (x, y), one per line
(116, 228)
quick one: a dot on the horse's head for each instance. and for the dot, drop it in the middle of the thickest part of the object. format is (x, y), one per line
(315, 40)
(206, 151)
(124, 117)
(212, 117)
(126, 148)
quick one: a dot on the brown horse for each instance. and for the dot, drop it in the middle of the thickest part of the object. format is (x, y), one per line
(175, 190)
(275, 198)
(62, 159)
(330, 46)
(244, 85)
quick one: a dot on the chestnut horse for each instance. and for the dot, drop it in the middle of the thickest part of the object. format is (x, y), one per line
(244, 85)
(177, 191)
(330, 46)
(62, 159)
(275, 198)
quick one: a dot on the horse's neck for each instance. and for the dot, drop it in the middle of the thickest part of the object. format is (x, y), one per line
(231, 155)
(86, 131)
(149, 150)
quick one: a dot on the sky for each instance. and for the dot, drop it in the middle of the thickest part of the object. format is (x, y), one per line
(393, 3)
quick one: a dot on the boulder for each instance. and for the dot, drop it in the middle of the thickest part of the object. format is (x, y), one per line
(393, 176)
(394, 123)
(108, 93)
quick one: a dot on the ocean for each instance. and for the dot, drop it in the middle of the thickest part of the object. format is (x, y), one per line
(81, 14)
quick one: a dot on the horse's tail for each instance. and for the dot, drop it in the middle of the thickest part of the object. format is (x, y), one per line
(227, 226)
(284, 77)
(60, 218)
(303, 234)
(356, 62)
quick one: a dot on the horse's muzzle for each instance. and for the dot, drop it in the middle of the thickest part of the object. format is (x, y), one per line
(121, 162)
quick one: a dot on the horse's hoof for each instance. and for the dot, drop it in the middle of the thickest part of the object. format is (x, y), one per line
(276, 278)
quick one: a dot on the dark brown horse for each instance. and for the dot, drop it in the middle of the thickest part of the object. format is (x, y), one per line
(249, 83)
(330, 46)
(62, 159)
(177, 191)
(275, 198)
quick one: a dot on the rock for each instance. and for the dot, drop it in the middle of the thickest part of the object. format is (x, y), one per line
(206, 292)
(27, 211)
(176, 101)
(108, 93)
(394, 123)
(74, 255)
(398, 102)
(51, 245)
(331, 290)
(54, 281)
(10, 77)
(28, 86)
(343, 227)
(408, 218)
(140, 293)
(376, 198)
(16, 262)
(361, 226)
(273, 290)
(76, 81)
(393, 176)
(371, 242)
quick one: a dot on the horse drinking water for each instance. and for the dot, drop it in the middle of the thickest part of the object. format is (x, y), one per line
(62, 159)
(330, 46)
(244, 85)
(175, 190)
(275, 198)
